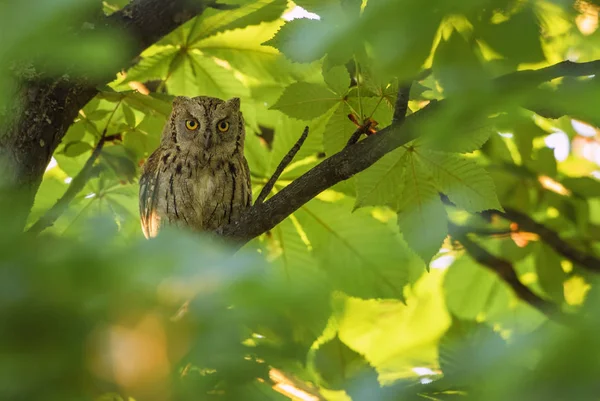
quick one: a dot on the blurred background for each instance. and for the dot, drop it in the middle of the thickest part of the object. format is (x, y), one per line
(377, 289)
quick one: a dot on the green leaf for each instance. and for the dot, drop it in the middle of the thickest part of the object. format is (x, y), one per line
(306, 101)
(119, 161)
(129, 115)
(336, 363)
(470, 137)
(382, 184)
(287, 132)
(338, 80)
(543, 162)
(468, 351)
(242, 50)
(399, 19)
(517, 39)
(472, 291)
(351, 246)
(152, 67)
(288, 251)
(255, 12)
(197, 74)
(421, 215)
(584, 187)
(456, 67)
(150, 104)
(550, 273)
(574, 98)
(467, 184)
(73, 149)
(300, 40)
(76, 131)
(338, 130)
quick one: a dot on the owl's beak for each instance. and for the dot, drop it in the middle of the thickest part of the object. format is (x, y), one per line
(207, 139)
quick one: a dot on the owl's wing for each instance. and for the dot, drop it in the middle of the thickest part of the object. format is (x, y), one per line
(148, 196)
(248, 184)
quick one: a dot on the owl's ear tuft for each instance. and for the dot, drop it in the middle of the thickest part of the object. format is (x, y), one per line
(234, 103)
(179, 100)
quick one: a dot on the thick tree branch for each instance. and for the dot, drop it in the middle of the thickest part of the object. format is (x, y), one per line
(287, 159)
(505, 270)
(356, 158)
(526, 223)
(44, 108)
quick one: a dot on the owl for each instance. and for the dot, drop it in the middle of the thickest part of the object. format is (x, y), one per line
(198, 177)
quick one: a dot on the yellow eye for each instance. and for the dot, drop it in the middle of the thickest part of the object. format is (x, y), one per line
(223, 126)
(192, 125)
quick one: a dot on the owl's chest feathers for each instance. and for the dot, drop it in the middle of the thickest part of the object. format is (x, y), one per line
(200, 193)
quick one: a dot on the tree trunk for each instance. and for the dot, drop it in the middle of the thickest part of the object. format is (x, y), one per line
(44, 108)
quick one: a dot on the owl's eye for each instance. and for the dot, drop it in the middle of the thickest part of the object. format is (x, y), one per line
(223, 126)
(192, 124)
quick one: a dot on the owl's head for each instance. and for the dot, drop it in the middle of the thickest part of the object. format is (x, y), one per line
(211, 126)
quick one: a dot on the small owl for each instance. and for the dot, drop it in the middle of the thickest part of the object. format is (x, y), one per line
(198, 177)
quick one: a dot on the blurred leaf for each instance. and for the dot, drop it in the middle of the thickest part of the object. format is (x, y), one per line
(336, 363)
(291, 40)
(468, 350)
(550, 273)
(472, 291)
(76, 148)
(583, 186)
(517, 39)
(306, 101)
(456, 67)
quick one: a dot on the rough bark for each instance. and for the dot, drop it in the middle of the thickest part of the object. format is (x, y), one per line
(44, 108)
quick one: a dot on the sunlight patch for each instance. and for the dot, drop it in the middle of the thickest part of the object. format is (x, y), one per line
(298, 12)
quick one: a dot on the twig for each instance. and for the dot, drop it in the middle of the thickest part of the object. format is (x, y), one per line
(552, 238)
(287, 159)
(357, 134)
(401, 105)
(491, 232)
(505, 270)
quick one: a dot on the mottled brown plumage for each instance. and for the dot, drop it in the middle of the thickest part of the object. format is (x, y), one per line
(198, 177)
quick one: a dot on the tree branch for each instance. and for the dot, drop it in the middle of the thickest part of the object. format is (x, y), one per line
(526, 223)
(287, 159)
(357, 134)
(401, 106)
(354, 159)
(27, 144)
(505, 270)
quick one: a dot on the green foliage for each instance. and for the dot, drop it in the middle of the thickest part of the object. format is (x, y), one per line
(360, 293)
